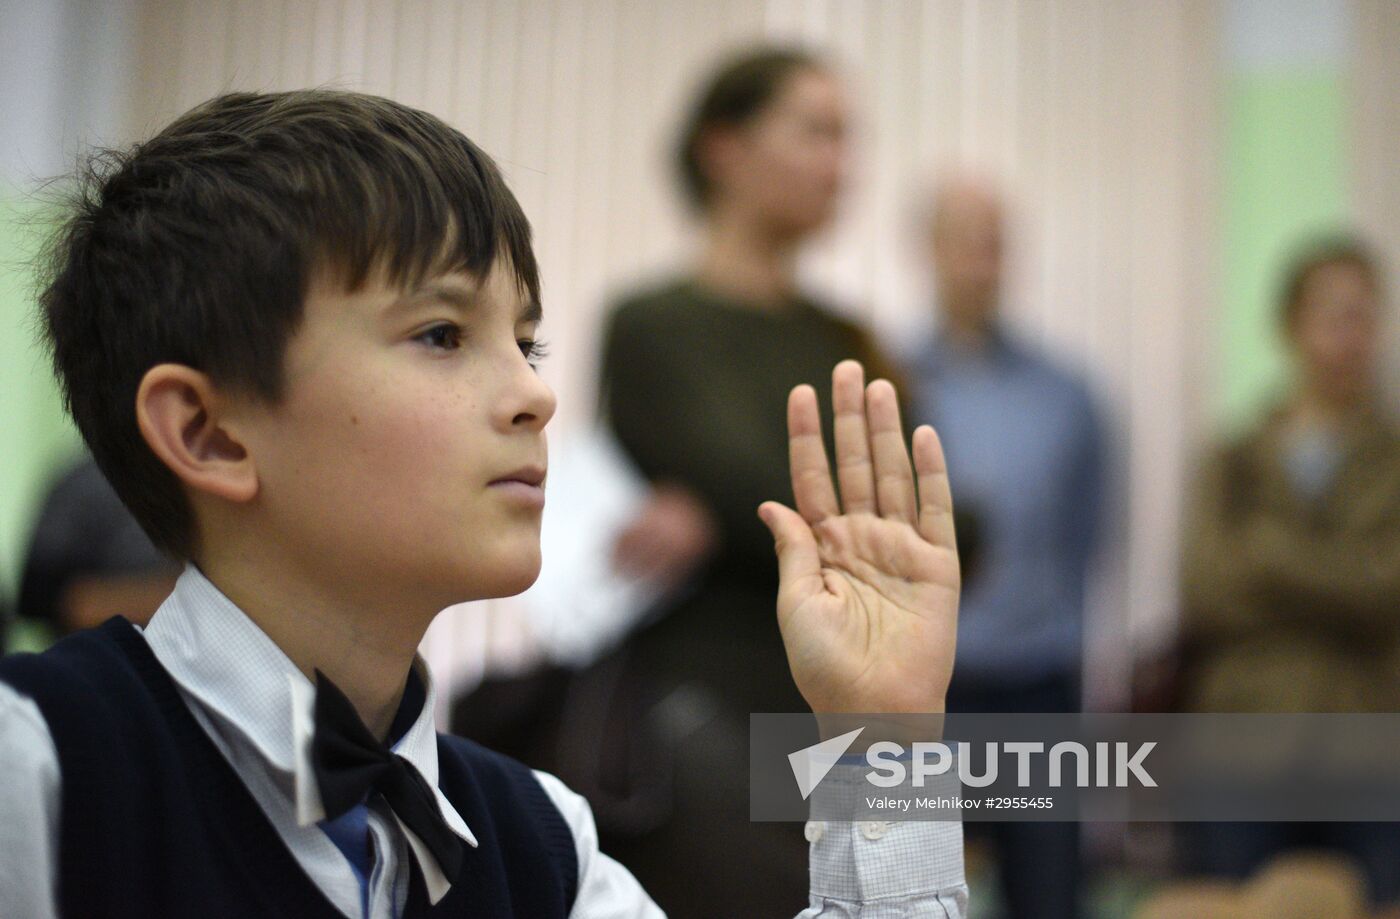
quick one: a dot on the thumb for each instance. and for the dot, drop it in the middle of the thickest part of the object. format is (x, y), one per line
(799, 564)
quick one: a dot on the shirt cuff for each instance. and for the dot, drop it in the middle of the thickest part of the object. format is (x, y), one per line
(904, 867)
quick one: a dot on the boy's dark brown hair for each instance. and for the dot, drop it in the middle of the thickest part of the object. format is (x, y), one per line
(198, 247)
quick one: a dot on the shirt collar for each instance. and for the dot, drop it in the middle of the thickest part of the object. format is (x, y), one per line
(941, 353)
(240, 678)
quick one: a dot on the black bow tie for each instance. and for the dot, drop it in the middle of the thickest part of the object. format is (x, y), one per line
(350, 763)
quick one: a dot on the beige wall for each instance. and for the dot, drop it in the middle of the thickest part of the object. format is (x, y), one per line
(1375, 145)
(1096, 113)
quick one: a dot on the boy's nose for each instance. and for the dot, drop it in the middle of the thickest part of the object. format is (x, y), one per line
(534, 402)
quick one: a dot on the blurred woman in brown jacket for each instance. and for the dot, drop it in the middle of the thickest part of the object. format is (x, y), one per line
(1291, 555)
(1291, 558)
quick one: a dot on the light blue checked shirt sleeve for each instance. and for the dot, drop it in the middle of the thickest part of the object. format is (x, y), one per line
(883, 869)
(860, 870)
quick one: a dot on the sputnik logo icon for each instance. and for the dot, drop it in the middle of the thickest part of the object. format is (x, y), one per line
(811, 764)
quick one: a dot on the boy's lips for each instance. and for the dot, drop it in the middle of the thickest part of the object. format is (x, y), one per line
(524, 486)
(527, 475)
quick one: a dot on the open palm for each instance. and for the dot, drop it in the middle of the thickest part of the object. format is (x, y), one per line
(868, 585)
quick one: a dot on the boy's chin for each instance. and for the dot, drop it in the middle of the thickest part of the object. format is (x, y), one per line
(518, 584)
(501, 577)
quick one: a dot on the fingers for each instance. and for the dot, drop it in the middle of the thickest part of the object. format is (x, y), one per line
(811, 474)
(854, 470)
(894, 480)
(872, 465)
(935, 497)
(799, 563)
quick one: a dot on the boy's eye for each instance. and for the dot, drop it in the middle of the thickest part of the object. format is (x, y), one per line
(445, 336)
(533, 350)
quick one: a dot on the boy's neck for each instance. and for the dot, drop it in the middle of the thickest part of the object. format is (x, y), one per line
(364, 646)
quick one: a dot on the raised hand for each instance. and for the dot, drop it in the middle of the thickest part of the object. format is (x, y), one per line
(868, 585)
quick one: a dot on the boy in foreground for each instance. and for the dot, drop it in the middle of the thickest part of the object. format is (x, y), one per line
(297, 332)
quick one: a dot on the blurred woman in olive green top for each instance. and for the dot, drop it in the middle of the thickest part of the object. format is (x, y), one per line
(696, 374)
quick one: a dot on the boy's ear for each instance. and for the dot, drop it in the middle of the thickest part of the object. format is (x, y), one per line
(182, 416)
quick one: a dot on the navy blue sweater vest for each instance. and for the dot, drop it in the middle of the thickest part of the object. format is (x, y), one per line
(155, 822)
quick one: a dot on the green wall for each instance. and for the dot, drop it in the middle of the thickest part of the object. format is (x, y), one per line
(36, 438)
(1284, 163)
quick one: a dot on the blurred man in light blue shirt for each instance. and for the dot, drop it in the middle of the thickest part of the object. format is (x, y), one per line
(1024, 445)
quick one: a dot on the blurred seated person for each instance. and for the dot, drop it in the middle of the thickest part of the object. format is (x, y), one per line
(1304, 885)
(1291, 554)
(89, 560)
(614, 545)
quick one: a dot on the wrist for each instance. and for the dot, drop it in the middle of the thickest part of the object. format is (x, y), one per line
(900, 728)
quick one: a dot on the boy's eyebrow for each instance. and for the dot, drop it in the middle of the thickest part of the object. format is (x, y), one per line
(460, 294)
